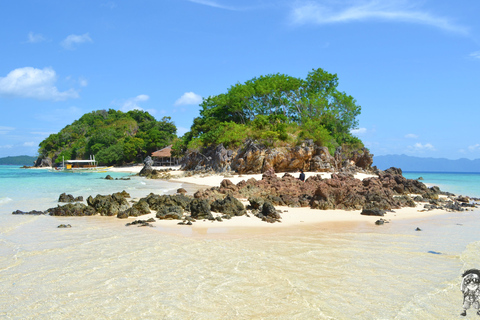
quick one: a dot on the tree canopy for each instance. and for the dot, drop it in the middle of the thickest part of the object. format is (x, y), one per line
(277, 109)
(114, 137)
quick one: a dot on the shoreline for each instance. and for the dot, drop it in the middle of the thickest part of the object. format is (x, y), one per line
(294, 219)
(300, 217)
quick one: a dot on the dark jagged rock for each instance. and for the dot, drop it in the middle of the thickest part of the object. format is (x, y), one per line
(141, 223)
(373, 212)
(109, 205)
(158, 201)
(42, 162)
(147, 169)
(123, 193)
(389, 190)
(181, 191)
(229, 206)
(69, 198)
(170, 213)
(33, 212)
(138, 209)
(268, 213)
(72, 209)
(200, 209)
(256, 202)
(108, 177)
(64, 226)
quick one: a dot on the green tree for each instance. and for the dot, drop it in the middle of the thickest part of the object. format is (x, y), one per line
(274, 108)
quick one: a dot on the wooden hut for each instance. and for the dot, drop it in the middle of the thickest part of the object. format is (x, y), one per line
(163, 157)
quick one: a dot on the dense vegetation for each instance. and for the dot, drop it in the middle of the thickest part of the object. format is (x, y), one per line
(18, 161)
(276, 110)
(114, 137)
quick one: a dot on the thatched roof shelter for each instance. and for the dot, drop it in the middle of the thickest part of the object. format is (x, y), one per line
(163, 153)
(164, 157)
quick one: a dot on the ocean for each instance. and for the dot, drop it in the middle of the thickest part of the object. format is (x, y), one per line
(101, 269)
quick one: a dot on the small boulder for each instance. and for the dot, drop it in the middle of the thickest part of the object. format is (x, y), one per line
(373, 212)
(33, 212)
(200, 209)
(229, 206)
(70, 209)
(170, 213)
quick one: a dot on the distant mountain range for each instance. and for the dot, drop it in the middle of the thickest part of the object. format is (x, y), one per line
(408, 163)
(18, 161)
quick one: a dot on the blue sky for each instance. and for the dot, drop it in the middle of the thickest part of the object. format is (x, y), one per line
(413, 66)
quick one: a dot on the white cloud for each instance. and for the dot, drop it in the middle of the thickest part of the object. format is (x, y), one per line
(7, 146)
(29, 144)
(474, 147)
(34, 83)
(72, 40)
(188, 98)
(213, 4)
(83, 82)
(35, 38)
(427, 146)
(132, 103)
(46, 134)
(358, 131)
(394, 10)
(475, 55)
(411, 136)
(5, 130)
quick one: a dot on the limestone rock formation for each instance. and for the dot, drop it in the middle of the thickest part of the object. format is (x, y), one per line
(257, 158)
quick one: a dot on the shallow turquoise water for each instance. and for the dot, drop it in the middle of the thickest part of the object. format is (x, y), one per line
(467, 184)
(29, 189)
(100, 269)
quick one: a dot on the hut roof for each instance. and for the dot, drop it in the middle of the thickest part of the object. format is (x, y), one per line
(165, 152)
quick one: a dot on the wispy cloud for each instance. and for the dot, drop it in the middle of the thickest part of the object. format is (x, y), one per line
(411, 136)
(421, 147)
(34, 83)
(35, 38)
(29, 144)
(71, 42)
(5, 130)
(40, 133)
(316, 12)
(83, 82)
(214, 4)
(188, 98)
(133, 103)
(475, 55)
(474, 147)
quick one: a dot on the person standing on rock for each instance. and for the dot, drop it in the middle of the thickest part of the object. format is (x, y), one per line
(302, 176)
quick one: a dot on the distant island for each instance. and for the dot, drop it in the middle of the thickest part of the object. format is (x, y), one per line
(18, 161)
(409, 163)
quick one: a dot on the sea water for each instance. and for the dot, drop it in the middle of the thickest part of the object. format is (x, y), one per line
(459, 183)
(100, 269)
